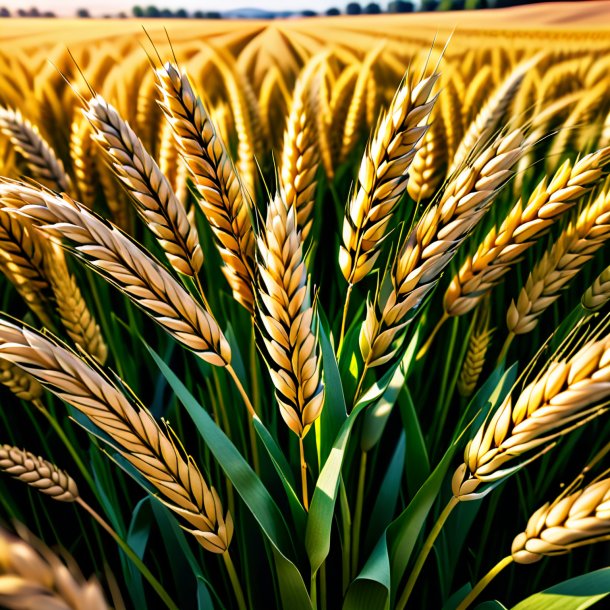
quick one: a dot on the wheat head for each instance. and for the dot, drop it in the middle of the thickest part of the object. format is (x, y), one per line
(223, 200)
(287, 319)
(154, 198)
(117, 258)
(598, 294)
(544, 409)
(382, 177)
(83, 161)
(131, 427)
(21, 384)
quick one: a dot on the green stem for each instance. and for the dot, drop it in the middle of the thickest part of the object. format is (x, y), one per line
(154, 583)
(426, 346)
(344, 316)
(239, 593)
(313, 591)
(478, 588)
(423, 554)
(241, 389)
(346, 522)
(303, 474)
(358, 513)
(504, 350)
(323, 585)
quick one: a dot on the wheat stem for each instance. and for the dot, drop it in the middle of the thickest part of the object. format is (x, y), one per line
(303, 474)
(239, 593)
(506, 346)
(348, 295)
(425, 551)
(478, 588)
(358, 513)
(241, 390)
(426, 346)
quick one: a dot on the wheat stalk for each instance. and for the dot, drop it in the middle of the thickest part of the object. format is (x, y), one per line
(433, 242)
(544, 409)
(32, 576)
(576, 246)
(504, 247)
(131, 427)
(39, 156)
(21, 384)
(223, 201)
(154, 198)
(117, 258)
(39, 473)
(300, 156)
(382, 178)
(570, 521)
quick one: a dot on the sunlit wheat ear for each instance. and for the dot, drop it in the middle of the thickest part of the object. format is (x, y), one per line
(124, 264)
(21, 384)
(37, 152)
(72, 308)
(486, 124)
(131, 427)
(154, 199)
(300, 153)
(39, 473)
(561, 397)
(571, 521)
(23, 255)
(33, 577)
(433, 242)
(83, 161)
(598, 294)
(575, 246)
(287, 319)
(504, 247)
(478, 344)
(222, 198)
(382, 178)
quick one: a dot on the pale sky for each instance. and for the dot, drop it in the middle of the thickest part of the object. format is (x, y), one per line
(98, 7)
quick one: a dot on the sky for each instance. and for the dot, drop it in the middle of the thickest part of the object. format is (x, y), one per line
(98, 7)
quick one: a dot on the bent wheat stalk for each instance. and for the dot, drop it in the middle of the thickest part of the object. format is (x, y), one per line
(154, 198)
(223, 200)
(37, 152)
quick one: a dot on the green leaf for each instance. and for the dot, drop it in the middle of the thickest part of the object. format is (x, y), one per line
(137, 539)
(204, 600)
(491, 605)
(417, 461)
(573, 594)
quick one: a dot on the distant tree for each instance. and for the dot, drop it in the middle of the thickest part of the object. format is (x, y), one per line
(308, 13)
(429, 5)
(4, 12)
(137, 11)
(400, 6)
(353, 8)
(83, 13)
(181, 14)
(198, 15)
(166, 13)
(49, 15)
(152, 12)
(21, 13)
(333, 12)
(122, 15)
(474, 4)
(372, 9)
(34, 12)
(213, 15)
(451, 5)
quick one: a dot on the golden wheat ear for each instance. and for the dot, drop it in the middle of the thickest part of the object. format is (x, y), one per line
(134, 432)
(32, 576)
(21, 384)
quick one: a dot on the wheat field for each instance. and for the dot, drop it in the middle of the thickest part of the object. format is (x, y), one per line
(306, 314)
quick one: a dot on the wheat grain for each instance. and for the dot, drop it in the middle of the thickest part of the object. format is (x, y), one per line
(575, 246)
(570, 521)
(39, 473)
(433, 242)
(544, 409)
(33, 577)
(21, 384)
(154, 199)
(223, 201)
(598, 294)
(502, 248)
(40, 157)
(131, 427)
(287, 319)
(117, 258)
(382, 177)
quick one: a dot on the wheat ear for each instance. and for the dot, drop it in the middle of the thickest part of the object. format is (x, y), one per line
(32, 576)
(598, 294)
(570, 521)
(382, 178)
(546, 408)
(118, 259)
(222, 198)
(132, 428)
(287, 319)
(37, 152)
(478, 344)
(39, 473)
(504, 247)
(154, 198)
(83, 161)
(21, 384)
(576, 246)
(300, 155)
(433, 242)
